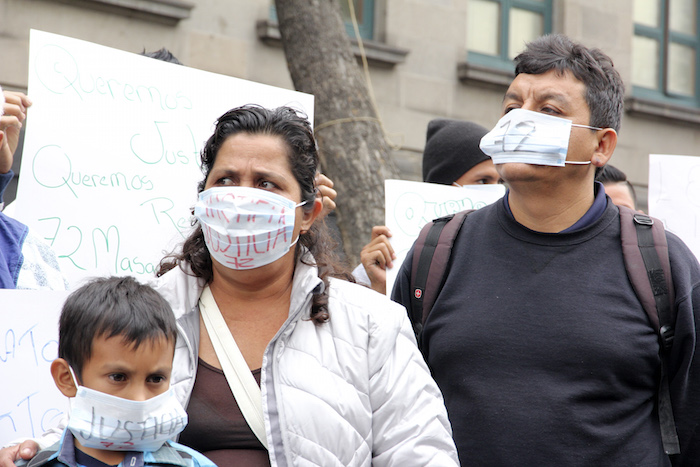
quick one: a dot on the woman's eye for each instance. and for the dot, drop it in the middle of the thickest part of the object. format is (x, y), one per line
(550, 110)
(267, 185)
(225, 181)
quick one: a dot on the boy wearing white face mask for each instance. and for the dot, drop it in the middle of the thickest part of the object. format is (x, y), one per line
(116, 345)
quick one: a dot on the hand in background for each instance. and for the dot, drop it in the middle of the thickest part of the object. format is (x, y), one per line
(327, 193)
(23, 451)
(378, 255)
(11, 121)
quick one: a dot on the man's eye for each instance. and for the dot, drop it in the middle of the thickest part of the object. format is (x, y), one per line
(157, 379)
(118, 377)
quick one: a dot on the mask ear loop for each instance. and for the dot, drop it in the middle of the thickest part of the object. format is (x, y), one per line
(75, 379)
(595, 128)
(298, 236)
(587, 126)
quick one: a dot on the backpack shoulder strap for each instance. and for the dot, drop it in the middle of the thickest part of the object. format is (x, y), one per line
(431, 254)
(645, 252)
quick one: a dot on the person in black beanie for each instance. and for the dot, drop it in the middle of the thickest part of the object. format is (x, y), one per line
(452, 147)
(451, 157)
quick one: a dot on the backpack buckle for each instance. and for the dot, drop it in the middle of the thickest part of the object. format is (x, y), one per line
(667, 335)
(643, 219)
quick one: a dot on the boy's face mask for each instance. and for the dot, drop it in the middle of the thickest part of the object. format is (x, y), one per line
(531, 138)
(102, 421)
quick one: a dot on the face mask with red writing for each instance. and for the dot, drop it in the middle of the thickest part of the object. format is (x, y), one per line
(246, 228)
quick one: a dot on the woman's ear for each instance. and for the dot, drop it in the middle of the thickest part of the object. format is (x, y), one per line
(606, 146)
(60, 370)
(311, 215)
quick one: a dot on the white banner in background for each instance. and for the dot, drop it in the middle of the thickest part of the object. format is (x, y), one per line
(30, 402)
(674, 196)
(111, 155)
(411, 205)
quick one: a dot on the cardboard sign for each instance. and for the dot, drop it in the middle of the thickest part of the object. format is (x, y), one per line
(30, 402)
(674, 196)
(411, 205)
(111, 154)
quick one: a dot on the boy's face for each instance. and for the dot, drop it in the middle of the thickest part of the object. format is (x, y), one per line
(121, 370)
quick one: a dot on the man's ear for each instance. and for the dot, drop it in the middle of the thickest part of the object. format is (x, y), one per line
(60, 370)
(311, 215)
(606, 146)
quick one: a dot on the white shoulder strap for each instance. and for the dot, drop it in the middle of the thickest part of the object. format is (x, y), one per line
(243, 385)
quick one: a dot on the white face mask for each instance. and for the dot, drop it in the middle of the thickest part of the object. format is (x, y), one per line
(530, 137)
(102, 421)
(246, 228)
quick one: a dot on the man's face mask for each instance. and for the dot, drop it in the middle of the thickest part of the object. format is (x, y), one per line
(532, 138)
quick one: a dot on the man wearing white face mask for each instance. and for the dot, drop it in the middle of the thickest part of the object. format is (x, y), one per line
(537, 339)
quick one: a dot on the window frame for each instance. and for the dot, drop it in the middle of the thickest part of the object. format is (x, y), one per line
(366, 26)
(165, 11)
(501, 61)
(665, 37)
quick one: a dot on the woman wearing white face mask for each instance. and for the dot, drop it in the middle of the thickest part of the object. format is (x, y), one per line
(325, 372)
(278, 362)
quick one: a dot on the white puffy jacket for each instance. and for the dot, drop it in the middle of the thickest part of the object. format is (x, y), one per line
(351, 392)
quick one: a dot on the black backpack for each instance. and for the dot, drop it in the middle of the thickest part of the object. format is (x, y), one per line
(645, 253)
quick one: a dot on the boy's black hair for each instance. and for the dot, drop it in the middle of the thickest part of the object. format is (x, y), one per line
(112, 306)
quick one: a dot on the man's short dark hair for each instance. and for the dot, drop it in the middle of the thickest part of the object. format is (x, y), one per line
(604, 88)
(163, 55)
(109, 307)
(611, 174)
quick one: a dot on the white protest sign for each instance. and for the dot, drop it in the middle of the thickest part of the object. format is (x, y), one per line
(111, 156)
(674, 195)
(411, 205)
(30, 402)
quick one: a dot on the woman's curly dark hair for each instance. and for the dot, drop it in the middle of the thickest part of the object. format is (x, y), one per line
(295, 130)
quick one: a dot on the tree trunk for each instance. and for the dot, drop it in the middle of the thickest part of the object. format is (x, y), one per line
(353, 150)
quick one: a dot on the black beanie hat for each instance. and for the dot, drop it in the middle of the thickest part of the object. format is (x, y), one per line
(451, 149)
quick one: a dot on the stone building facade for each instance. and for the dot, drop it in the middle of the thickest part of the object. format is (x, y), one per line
(427, 58)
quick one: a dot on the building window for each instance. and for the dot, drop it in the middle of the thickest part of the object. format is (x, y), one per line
(499, 29)
(665, 51)
(364, 12)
